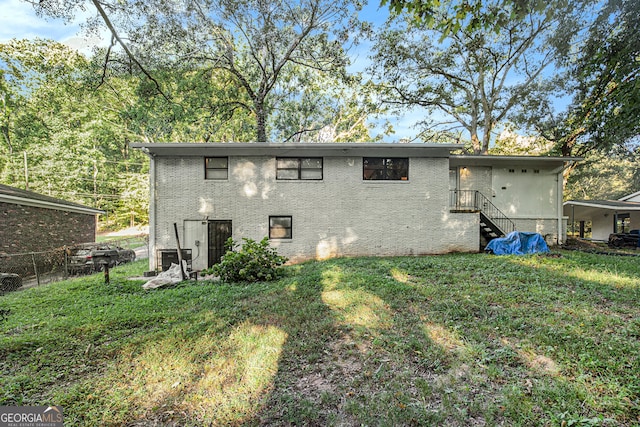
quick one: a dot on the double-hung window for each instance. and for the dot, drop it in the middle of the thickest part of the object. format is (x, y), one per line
(299, 168)
(216, 168)
(385, 168)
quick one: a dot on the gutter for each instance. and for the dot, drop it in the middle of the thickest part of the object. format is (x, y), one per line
(49, 205)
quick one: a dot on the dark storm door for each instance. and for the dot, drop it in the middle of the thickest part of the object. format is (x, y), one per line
(219, 232)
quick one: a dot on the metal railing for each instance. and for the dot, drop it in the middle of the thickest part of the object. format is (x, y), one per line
(475, 201)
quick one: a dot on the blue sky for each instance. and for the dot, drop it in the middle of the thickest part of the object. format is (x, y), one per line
(18, 20)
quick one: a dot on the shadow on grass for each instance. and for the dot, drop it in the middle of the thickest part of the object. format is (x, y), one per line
(448, 340)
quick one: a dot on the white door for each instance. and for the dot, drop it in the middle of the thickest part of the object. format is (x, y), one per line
(195, 238)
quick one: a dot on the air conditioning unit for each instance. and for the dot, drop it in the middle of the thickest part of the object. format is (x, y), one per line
(166, 257)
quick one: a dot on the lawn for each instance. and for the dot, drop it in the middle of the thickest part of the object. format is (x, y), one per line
(455, 340)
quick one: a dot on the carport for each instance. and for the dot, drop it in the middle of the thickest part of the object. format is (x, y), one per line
(606, 217)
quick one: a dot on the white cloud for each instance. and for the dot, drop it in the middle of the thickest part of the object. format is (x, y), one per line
(18, 20)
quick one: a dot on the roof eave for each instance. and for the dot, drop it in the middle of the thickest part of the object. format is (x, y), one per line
(611, 205)
(49, 205)
(492, 160)
(291, 149)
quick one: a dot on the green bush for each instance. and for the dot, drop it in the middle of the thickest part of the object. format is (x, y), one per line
(253, 262)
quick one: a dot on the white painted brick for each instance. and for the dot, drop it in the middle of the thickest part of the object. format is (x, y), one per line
(342, 215)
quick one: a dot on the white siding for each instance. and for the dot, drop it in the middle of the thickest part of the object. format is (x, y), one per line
(526, 195)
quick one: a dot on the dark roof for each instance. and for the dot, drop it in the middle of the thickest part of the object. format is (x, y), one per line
(18, 195)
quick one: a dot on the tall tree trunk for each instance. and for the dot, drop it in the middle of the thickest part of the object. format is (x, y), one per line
(261, 122)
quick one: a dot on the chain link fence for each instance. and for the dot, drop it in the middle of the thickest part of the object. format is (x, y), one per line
(38, 268)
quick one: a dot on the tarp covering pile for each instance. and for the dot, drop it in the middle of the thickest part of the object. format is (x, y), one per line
(518, 243)
(172, 276)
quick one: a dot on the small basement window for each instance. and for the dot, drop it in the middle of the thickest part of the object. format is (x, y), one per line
(280, 227)
(216, 168)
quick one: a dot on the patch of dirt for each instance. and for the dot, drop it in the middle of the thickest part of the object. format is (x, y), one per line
(583, 245)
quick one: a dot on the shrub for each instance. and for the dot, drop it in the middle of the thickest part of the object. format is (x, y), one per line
(253, 262)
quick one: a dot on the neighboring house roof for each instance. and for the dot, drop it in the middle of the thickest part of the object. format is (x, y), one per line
(29, 198)
(628, 197)
(297, 149)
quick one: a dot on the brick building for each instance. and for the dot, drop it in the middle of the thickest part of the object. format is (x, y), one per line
(324, 200)
(34, 222)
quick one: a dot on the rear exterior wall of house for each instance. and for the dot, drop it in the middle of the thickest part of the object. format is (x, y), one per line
(340, 215)
(34, 229)
(528, 195)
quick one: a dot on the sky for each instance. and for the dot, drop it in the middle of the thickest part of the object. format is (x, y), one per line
(18, 20)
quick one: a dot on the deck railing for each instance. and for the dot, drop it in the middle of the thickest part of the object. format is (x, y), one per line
(475, 201)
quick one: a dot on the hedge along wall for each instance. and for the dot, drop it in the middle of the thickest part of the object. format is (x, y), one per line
(34, 229)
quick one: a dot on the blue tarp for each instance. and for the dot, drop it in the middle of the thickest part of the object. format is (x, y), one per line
(518, 243)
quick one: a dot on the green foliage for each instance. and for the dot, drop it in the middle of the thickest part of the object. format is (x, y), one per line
(604, 176)
(605, 106)
(253, 262)
(471, 80)
(71, 132)
(463, 14)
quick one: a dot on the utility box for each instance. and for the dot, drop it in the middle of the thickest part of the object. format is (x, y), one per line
(166, 257)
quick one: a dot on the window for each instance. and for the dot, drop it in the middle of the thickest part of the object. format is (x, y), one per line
(385, 169)
(216, 168)
(306, 168)
(280, 227)
(621, 223)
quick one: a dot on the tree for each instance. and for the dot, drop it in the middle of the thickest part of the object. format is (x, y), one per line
(463, 14)
(316, 108)
(605, 109)
(471, 79)
(604, 175)
(254, 42)
(74, 141)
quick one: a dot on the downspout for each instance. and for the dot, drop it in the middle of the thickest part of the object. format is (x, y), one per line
(152, 209)
(560, 190)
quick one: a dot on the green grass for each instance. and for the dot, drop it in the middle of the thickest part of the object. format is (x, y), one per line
(449, 340)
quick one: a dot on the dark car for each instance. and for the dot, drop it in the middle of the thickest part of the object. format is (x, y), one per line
(619, 240)
(122, 255)
(9, 282)
(80, 261)
(86, 259)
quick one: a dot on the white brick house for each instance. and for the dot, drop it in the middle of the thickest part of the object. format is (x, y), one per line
(324, 200)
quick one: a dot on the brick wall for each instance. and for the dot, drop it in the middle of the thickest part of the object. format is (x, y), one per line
(342, 215)
(29, 228)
